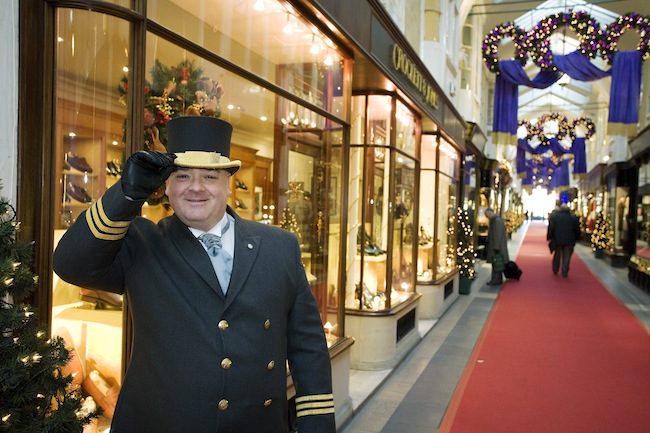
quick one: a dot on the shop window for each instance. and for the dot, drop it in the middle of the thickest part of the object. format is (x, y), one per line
(89, 150)
(268, 38)
(439, 189)
(381, 191)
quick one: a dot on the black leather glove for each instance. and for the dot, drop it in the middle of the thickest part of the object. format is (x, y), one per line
(144, 172)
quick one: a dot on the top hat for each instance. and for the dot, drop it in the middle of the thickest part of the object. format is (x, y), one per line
(201, 142)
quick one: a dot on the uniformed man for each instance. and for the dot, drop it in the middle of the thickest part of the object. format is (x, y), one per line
(219, 304)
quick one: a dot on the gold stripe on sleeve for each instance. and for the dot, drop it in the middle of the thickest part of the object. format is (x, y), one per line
(107, 231)
(304, 398)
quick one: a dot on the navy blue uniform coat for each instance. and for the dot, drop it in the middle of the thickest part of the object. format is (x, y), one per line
(201, 361)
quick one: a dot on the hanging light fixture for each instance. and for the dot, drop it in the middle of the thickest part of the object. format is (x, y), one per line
(315, 46)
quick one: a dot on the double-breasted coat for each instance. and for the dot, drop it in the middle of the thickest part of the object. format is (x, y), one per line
(203, 361)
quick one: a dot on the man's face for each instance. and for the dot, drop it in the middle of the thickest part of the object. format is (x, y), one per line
(198, 196)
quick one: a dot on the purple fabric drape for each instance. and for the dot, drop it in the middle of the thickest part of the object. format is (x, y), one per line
(625, 88)
(520, 161)
(506, 97)
(578, 67)
(580, 155)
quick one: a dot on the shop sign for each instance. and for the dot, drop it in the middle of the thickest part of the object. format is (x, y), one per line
(403, 64)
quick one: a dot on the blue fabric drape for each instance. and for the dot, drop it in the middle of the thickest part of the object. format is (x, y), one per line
(580, 155)
(520, 161)
(578, 67)
(625, 88)
(506, 97)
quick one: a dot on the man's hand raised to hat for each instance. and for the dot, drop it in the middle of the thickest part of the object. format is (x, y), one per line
(144, 172)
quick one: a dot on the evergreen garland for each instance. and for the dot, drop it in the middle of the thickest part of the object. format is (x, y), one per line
(35, 397)
(465, 254)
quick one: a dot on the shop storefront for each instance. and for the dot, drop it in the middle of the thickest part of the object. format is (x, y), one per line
(406, 145)
(118, 75)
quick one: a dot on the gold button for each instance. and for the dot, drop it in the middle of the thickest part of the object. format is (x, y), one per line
(270, 365)
(267, 324)
(268, 402)
(223, 325)
(223, 404)
(226, 363)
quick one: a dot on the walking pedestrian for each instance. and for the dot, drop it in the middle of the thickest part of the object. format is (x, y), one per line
(563, 233)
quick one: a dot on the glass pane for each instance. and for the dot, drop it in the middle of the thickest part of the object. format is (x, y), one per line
(446, 220)
(358, 130)
(265, 37)
(355, 229)
(428, 158)
(89, 150)
(404, 234)
(379, 115)
(405, 123)
(425, 263)
(449, 158)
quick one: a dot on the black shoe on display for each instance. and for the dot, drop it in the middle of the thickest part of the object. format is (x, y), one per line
(240, 205)
(240, 185)
(78, 193)
(78, 163)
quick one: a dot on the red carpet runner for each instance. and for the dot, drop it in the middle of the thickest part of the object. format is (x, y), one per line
(557, 355)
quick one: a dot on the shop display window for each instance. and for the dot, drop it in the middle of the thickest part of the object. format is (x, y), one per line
(267, 38)
(91, 56)
(437, 239)
(381, 194)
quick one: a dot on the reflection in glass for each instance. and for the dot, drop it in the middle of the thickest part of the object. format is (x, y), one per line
(91, 56)
(269, 39)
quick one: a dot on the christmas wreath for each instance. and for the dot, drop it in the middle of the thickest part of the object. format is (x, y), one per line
(587, 123)
(611, 35)
(586, 27)
(491, 45)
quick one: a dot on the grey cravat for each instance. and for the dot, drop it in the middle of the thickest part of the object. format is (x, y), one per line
(221, 260)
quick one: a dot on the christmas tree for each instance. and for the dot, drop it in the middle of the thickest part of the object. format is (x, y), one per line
(465, 251)
(601, 237)
(35, 397)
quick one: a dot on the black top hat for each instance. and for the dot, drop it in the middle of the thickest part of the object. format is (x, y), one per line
(201, 142)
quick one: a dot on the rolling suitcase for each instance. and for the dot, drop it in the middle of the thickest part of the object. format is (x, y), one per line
(512, 271)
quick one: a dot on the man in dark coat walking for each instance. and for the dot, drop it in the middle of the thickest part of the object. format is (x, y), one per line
(220, 305)
(563, 233)
(497, 246)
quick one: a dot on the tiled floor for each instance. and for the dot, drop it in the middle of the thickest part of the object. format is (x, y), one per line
(413, 397)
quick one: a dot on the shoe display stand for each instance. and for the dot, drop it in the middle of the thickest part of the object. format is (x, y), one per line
(437, 296)
(90, 166)
(425, 259)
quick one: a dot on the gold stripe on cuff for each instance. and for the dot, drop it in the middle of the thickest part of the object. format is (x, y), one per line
(315, 412)
(100, 229)
(104, 217)
(313, 397)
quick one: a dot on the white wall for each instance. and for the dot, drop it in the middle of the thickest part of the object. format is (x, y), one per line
(9, 98)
